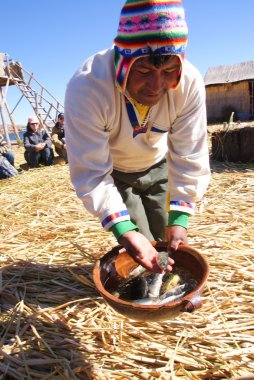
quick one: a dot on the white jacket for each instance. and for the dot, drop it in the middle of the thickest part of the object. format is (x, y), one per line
(99, 137)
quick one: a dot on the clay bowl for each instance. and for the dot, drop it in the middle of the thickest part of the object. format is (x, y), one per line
(115, 265)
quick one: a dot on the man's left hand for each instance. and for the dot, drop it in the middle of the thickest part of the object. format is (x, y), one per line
(176, 235)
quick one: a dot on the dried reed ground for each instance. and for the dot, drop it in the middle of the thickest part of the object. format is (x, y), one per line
(54, 324)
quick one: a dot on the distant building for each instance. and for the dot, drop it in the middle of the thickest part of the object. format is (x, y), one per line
(230, 89)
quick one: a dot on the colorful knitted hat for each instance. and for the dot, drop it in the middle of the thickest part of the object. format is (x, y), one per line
(148, 27)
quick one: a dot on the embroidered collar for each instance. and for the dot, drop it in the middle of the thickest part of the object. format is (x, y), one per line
(137, 128)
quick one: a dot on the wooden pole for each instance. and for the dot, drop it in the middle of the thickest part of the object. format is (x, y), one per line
(5, 126)
(2, 103)
(12, 121)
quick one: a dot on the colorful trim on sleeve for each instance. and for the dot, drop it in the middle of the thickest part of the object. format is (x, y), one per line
(117, 217)
(178, 218)
(182, 206)
(121, 228)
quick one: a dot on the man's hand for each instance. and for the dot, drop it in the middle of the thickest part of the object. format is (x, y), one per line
(142, 251)
(40, 146)
(176, 235)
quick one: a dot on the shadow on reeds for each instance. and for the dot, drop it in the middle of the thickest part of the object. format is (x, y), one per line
(45, 285)
(43, 311)
(57, 161)
(220, 167)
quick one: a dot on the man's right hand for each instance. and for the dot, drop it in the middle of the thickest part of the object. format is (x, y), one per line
(142, 251)
(39, 147)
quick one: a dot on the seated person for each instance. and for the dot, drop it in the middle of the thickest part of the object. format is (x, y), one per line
(7, 168)
(58, 137)
(38, 145)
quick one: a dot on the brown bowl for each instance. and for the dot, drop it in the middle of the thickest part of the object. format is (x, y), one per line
(115, 265)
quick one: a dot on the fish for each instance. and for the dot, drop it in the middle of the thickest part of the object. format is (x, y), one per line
(171, 282)
(169, 296)
(174, 292)
(137, 271)
(155, 286)
(145, 285)
(184, 273)
(135, 287)
(162, 259)
(171, 299)
(146, 301)
(159, 300)
(147, 288)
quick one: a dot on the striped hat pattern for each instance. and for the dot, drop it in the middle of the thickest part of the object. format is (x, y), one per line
(148, 27)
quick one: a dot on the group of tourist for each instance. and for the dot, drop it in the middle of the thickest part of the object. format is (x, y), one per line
(38, 146)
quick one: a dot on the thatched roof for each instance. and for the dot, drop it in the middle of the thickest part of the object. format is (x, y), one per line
(230, 73)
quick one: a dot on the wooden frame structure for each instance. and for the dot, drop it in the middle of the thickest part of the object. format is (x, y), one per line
(45, 105)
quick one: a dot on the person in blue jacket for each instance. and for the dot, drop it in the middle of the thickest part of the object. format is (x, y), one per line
(37, 144)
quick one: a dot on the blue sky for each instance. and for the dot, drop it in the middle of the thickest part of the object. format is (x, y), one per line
(51, 37)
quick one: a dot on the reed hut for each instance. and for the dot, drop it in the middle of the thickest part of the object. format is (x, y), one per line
(230, 89)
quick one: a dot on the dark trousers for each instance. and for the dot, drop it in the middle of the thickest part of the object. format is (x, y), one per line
(7, 169)
(10, 157)
(44, 156)
(145, 196)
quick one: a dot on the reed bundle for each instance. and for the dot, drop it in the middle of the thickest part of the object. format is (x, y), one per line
(54, 324)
